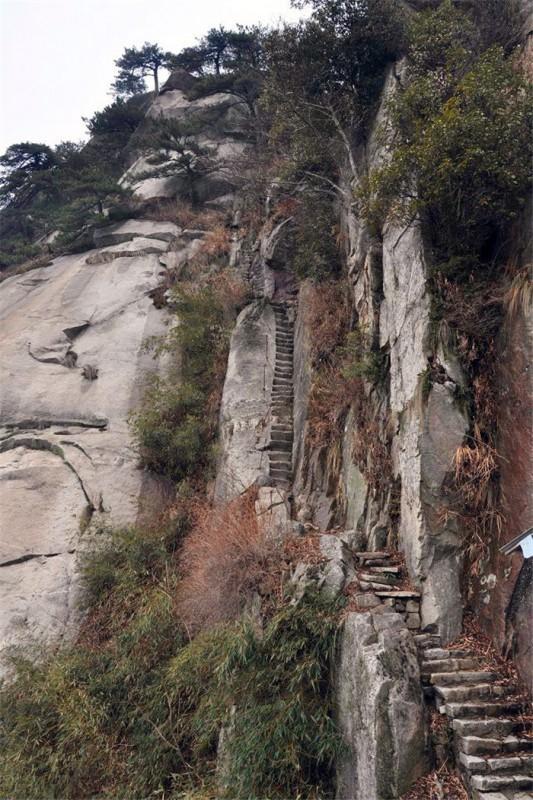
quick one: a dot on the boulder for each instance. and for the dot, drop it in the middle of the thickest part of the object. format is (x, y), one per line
(380, 709)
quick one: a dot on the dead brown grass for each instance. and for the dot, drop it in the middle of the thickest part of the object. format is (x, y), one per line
(216, 243)
(329, 319)
(442, 784)
(225, 560)
(26, 266)
(519, 296)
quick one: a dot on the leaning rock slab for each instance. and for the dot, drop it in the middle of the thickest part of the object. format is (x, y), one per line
(246, 402)
(380, 708)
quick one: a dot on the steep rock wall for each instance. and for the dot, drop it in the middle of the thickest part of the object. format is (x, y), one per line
(72, 368)
(66, 456)
(389, 279)
(380, 708)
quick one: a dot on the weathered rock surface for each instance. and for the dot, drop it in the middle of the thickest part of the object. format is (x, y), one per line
(244, 416)
(379, 708)
(66, 454)
(222, 122)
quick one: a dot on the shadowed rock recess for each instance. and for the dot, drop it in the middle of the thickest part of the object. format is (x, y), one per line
(363, 433)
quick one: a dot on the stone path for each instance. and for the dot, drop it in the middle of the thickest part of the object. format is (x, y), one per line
(492, 743)
(379, 581)
(282, 429)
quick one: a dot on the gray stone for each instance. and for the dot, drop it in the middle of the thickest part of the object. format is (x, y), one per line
(380, 708)
(245, 406)
(66, 454)
(338, 569)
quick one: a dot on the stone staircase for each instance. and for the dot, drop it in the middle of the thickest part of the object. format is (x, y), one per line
(379, 580)
(493, 744)
(282, 428)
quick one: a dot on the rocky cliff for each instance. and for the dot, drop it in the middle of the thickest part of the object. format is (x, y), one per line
(73, 367)
(335, 481)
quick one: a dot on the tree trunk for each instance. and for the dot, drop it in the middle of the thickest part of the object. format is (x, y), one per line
(156, 81)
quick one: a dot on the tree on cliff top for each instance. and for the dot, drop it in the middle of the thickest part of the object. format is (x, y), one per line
(135, 64)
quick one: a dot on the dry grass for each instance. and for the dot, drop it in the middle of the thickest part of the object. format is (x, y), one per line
(442, 784)
(182, 214)
(27, 266)
(331, 394)
(225, 560)
(329, 319)
(216, 243)
(519, 296)
(200, 219)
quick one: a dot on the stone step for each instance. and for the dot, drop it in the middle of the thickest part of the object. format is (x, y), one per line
(375, 587)
(281, 434)
(283, 362)
(486, 745)
(277, 444)
(378, 554)
(284, 474)
(480, 727)
(426, 640)
(399, 594)
(438, 653)
(386, 580)
(448, 664)
(497, 764)
(460, 677)
(283, 372)
(284, 465)
(471, 692)
(384, 570)
(486, 709)
(499, 782)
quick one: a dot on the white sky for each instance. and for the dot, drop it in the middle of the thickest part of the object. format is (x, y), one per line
(57, 56)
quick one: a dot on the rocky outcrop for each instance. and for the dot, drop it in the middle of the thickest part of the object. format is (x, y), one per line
(66, 455)
(245, 410)
(379, 706)
(222, 122)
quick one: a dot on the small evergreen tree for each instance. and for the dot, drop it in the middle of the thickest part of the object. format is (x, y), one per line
(135, 64)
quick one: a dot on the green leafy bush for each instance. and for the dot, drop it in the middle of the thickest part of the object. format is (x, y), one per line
(463, 128)
(176, 422)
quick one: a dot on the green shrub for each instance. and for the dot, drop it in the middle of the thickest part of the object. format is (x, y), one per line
(176, 422)
(463, 127)
(284, 742)
(315, 240)
(133, 709)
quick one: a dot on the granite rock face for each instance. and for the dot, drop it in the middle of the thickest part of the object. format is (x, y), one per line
(245, 411)
(380, 708)
(72, 365)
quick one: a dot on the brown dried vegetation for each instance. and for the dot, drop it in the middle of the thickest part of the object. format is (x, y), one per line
(225, 560)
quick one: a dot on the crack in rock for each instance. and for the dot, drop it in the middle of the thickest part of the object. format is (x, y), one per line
(33, 556)
(100, 423)
(106, 258)
(44, 444)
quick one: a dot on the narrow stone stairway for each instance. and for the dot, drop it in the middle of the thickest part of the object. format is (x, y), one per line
(381, 579)
(281, 429)
(493, 743)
